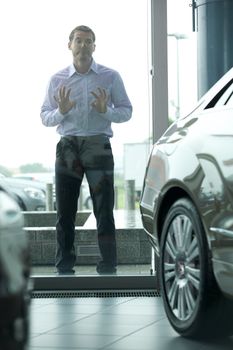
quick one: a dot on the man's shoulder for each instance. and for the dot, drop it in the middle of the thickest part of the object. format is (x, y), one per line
(106, 70)
(61, 74)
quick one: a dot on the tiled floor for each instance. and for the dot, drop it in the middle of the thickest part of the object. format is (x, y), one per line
(107, 323)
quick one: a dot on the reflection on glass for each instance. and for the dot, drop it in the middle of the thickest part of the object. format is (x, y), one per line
(125, 48)
(182, 61)
(82, 102)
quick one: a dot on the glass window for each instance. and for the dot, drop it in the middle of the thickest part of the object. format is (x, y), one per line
(34, 38)
(182, 59)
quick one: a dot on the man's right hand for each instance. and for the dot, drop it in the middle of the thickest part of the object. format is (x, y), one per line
(63, 100)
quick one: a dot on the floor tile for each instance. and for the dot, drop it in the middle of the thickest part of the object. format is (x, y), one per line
(42, 322)
(223, 344)
(130, 323)
(53, 348)
(72, 341)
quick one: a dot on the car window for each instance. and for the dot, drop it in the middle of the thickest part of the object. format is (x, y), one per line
(224, 99)
(229, 101)
(223, 96)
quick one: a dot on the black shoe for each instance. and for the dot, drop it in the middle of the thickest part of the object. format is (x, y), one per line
(103, 268)
(65, 272)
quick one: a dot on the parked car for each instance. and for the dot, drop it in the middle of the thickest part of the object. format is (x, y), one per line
(187, 212)
(30, 195)
(14, 275)
(49, 177)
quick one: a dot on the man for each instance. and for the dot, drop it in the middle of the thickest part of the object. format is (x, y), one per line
(82, 101)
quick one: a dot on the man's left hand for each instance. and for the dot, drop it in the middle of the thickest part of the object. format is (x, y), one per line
(101, 99)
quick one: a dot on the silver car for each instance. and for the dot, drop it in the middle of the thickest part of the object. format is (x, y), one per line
(14, 276)
(30, 195)
(187, 213)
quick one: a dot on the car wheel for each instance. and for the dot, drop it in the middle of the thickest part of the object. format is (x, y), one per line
(192, 300)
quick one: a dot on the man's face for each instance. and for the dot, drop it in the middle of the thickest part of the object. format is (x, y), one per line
(82, 45)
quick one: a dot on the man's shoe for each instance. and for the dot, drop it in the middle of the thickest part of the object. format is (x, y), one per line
(103, 268)
(65, 272)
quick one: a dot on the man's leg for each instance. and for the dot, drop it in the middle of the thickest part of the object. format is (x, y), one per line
(99, 172)
(67, 192)
(103, 201)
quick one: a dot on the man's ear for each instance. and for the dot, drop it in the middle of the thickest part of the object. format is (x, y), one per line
(69, 45)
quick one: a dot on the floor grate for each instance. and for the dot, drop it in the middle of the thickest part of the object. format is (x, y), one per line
(95, 294)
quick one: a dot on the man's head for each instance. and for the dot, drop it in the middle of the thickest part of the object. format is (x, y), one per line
(82, 28)
(82, 44)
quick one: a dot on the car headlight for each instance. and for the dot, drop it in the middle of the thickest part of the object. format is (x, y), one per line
(35, 193)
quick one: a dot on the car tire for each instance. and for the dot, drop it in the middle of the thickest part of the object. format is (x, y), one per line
(192, 300)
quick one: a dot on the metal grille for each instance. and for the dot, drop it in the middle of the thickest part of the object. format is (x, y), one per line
(88, 250)
(95, 294)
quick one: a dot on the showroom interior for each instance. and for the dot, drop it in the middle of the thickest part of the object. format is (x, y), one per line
(179, 49)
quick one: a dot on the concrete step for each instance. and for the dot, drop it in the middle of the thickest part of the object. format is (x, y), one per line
(132, 244)
(48, 218)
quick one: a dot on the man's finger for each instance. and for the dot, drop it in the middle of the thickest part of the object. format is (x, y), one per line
(62, 92)
(94, 94)
(102, 92)
(67, 94)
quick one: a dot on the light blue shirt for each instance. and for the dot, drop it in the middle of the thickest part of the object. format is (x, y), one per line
(83, 119)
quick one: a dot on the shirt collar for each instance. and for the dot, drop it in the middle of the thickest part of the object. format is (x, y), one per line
(93, 67)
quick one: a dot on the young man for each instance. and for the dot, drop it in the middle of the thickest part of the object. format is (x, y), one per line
(82, 101)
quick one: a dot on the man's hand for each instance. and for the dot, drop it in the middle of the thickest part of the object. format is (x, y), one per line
(63, 100)
(101, 99)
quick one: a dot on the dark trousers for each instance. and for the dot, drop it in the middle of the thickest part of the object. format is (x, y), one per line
(92, 156)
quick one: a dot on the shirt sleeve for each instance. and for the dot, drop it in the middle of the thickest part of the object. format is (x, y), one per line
(120, 109)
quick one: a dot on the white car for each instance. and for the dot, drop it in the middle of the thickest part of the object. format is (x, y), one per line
(14, 275)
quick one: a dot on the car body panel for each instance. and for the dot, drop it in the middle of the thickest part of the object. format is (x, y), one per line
(194, 158)
(85, 200)
(22, 190)
(14, 275)
(13, 243)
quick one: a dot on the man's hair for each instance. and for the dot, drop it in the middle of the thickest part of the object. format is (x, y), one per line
(81, 28)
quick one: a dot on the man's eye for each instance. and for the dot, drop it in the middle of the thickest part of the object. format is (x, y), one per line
(86, 42)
